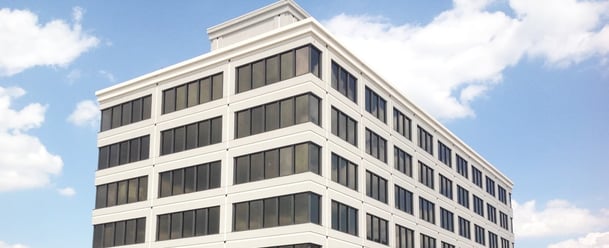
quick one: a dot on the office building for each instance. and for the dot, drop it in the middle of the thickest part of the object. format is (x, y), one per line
(281, 137)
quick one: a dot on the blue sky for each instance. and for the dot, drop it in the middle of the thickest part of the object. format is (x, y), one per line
(525, 83)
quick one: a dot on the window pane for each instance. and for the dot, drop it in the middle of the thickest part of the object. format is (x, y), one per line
(189, 179)
(244, 78)
(255, 214)
(218, 84)
(106, 119)
(193, 93)
(112, 194)
(119, 233)
(342, 124)
(167, 142)
(343, 217)
(140, 230)
(352, 88)
(301, 211)
(257, 166)
(287, 112)
(342, 81)
(302, 155)
(146, 107)
(214, 220)
(163, 227)
(130, 232)
(243, 123)
(205, 91)
(242, 169)
(145, 147)
(165, 184)
(258, 72)
(334, 121)
(134, 150)
(287, 65)
(214, 171)
(270, 212)
(286, 208)
(241, 216)
(216, 130)
(352, 228)
(271, 163)
(352, 132)
(126, 119)
(314, 211)
(169, 101)
(302, 61)
(204, 135)
(202, 177)
(100, 196)
(191, 136)
(315, 61)
(272, 116)
(124, 152)
(257, 120)
(352, 177)
(272, 69)
(189, 222)
(176, 225)
(133, 190)
(334, 215)
(200, 222)
(116, 116)
(314, 109)
(302, 109)
(342, 171)
(314, 158)
(109, 234)
(137, 110)
(177, 182)
(286, 156)
(179, 139)
(104, 153)
(143, 189)
(181, 97)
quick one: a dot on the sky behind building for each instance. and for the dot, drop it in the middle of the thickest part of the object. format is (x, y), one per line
(524, 83)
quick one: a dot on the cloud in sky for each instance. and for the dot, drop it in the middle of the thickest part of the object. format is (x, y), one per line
(592, 240)
(107, 75)
(67, 191)
(556, 218)
(85, 114)
(25, 43)
(446, 64)
(24, 160)
(5, 245)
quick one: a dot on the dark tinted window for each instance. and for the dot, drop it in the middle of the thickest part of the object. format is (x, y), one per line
(344, 82)
(196, 222)
(276, 211)
(192, 93)
(344, 171)
(189, 179)
(344, 218)
(125, 113)
(124, 232)
(376, 105)
(128, 151)
(174, 140)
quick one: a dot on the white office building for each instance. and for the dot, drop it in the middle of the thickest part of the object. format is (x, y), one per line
(281, 137)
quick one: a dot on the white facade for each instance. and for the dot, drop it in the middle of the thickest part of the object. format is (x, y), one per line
(272, 30)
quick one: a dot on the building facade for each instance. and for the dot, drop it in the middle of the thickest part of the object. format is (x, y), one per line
(281, 137)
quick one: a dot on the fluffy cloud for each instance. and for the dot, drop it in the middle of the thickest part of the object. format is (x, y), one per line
(85, 114)
(453, 60)
(5, 245)
(67, 191)
(592, 240)
(25, 43)
(557, 218)
(24, 160)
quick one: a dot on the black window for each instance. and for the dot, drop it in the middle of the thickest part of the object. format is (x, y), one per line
(491, 213)
(503, 220)
(376, 105)
(190, 223)
(404, 237)
(307, 245)
(376, 187)
(426, 175)
(208, 132)
(446, 187)
(427, 241)
(464, 228)
(462, 166)
(447, 220)
(283, 161)
(476, 176)
(124, 152)
(492, 240)
(444, 154)
(447, 245)
(344, 172)
(376, 145)
(125, 232)
(502, 194)
(479, 235)
(125, 113)
(463, 196)
(425, 140)
(490, 186)
(402, 161)
(403, 199)
(190, 179)
(286, 65)
(401, 123)
(264, 118)
(427, 210)
(344, 218)
(344, 126)
(478, 206)
(505, 243)
(121, 192)
(377, 229)
(344, 82)
(277, 211)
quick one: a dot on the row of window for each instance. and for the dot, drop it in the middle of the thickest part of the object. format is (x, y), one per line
(190, 136)
(125, 232)
(376, 187)
(344, 82)
(124, 152)
(126, 113)
(190, 179)
(283, 161)
(344, 126)
(376, 145)
(344, 172)
(190, 223)
(376, 105)
(278, 114)
(193, 93)
(121, 192)
(277, 211)
(289, 64)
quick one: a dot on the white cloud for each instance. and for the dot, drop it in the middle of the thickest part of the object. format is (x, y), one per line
(24, 160)
(67, 191)
(74, 75)
(85, 114)
(446, 64)
(557, 218)
(592, 240)
(109, 76)
(5, 245)
(25, 43)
